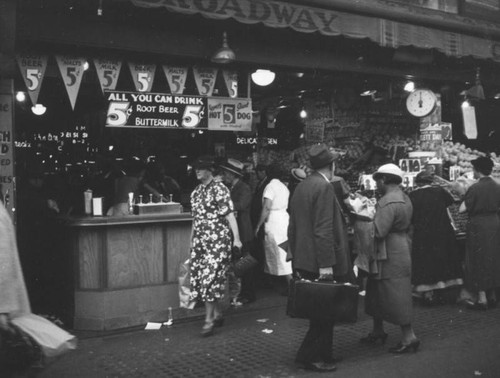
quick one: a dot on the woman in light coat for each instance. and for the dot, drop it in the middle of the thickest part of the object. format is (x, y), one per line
(388, 289)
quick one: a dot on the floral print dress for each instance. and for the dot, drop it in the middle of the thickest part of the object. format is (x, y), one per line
(210, 254)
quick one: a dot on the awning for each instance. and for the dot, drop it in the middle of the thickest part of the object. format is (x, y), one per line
(277, 14)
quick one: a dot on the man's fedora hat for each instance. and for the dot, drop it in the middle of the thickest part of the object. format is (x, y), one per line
(233, 166)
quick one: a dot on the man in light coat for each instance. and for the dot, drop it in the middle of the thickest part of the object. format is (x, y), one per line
(13, 297)
(314, 234)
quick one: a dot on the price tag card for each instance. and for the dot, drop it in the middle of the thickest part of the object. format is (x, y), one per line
(409, 180)
(410, 165)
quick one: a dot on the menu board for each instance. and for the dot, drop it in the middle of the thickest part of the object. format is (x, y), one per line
(6, 150)
(155, 110)
(171, 111)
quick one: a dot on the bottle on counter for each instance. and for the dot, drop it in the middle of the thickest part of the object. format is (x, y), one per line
(87, 200)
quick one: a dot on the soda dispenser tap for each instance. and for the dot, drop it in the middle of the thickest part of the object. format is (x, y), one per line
(131, 203)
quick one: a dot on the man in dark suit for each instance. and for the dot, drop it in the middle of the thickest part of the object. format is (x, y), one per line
(313, 234)
(241, 195)
(255, 212)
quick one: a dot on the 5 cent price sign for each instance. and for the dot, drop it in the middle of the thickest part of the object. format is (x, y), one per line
(155, 110)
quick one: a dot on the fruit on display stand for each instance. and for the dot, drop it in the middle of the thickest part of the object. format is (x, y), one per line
(459, 154)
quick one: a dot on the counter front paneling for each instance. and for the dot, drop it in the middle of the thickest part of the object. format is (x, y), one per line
(126, 268)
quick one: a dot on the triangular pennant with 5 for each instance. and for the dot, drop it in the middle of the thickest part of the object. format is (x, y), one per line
(33, 71)
(143, 75)
(108, 71)
(71, 69)
(231, 80)
(176, 77)
(205, 80)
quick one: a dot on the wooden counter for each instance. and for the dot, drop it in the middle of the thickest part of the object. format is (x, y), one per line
(126, 268)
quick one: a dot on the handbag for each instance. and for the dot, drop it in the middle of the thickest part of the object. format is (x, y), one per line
(243, 263)
(52, 340)
(18, 351)
(323, 300)
(185, 286)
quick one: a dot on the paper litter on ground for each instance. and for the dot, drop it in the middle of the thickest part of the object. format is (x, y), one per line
(267, 331)
(262, 320)
(152, 325)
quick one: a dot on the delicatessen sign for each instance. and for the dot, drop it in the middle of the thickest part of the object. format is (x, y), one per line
(171, 111)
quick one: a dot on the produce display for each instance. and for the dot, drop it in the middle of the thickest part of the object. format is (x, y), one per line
(459, 154)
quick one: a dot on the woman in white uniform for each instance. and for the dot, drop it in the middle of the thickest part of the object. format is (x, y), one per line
(274, 217)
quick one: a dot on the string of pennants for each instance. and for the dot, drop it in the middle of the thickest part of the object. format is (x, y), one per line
(71, 68)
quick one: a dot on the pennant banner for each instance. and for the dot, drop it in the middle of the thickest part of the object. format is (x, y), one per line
(205, 80)
(32, 69)
(176, 77)
(231, 80)
(143, 76)
(71, 69)
(108, 71)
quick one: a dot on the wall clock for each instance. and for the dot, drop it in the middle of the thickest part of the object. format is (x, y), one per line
(421, 102)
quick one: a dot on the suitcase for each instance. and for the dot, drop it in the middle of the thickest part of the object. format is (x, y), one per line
(323, 300)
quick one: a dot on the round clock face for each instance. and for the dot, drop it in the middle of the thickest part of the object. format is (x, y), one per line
(421, 102)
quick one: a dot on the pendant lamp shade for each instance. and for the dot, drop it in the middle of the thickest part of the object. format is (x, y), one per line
(263, 77)
(225, 54)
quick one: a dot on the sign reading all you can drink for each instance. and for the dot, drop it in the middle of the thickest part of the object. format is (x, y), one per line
(170, 111)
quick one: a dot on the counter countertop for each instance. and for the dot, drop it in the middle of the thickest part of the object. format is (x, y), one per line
(90, 221)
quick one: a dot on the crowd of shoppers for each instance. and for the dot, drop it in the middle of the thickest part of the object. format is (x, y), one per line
(300, 230)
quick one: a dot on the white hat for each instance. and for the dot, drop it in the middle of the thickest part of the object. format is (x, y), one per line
(388, 169)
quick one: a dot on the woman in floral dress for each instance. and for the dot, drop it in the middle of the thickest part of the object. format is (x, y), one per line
(214, 230)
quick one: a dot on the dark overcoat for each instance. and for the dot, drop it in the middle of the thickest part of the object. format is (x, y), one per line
(241, 195)
(315, 227)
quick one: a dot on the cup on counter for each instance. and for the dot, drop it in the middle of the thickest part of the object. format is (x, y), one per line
(97, 206)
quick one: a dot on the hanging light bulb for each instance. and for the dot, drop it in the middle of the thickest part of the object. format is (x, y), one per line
(409, 86)
(20, 96)
(263, 77)
(303, 113)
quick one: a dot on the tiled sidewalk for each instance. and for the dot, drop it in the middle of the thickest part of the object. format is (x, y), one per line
(261, 342)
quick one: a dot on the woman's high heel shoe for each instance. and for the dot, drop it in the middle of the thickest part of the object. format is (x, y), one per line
(207, 330)
(219, 322)
(372, 338)
(404, 348)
